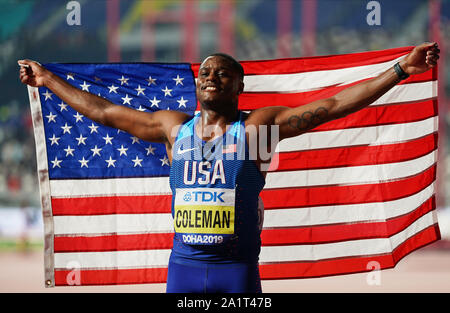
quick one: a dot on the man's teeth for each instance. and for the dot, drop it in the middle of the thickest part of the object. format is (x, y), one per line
(210, 88)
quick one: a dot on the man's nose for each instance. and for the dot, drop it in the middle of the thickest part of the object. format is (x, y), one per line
(212, 76)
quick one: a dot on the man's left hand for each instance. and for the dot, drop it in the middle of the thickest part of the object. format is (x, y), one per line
(421, 58)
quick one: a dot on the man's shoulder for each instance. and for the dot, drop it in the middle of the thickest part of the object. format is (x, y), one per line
(172, 117)
(172, 121)
(264, 115)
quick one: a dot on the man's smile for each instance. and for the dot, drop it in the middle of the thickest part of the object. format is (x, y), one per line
(210, 88)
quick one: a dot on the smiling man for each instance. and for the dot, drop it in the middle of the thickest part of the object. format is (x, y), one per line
(214, 179)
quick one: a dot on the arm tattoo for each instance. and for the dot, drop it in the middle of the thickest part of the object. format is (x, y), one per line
(308, 119)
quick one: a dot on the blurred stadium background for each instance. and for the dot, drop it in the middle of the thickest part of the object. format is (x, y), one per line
(188, 30)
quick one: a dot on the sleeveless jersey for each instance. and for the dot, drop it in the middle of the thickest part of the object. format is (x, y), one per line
(215, 189)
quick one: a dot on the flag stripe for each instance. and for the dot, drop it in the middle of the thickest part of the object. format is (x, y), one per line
(354, 156)
(299, 83)
(114, 259)
(111, 277)
(121, 223)
(321, 80)
(111, 205)
(347, 194)
(110, 186)
(348, 265)
(384, 114)
(113, 242)
(350, 175)
(302, 82)
(375, 135)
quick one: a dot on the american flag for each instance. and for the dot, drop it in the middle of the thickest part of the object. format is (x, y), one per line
(351, 192)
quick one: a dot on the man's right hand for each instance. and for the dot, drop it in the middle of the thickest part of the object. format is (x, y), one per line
(33, 75)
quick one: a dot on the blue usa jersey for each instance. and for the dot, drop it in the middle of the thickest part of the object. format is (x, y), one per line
(215, 188)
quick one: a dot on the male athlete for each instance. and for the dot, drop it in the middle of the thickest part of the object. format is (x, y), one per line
(215, 184)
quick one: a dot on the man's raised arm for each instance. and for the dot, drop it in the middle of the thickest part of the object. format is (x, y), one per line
(155, 127)
(295, 121)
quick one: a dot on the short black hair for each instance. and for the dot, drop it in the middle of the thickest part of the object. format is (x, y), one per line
(236, 65)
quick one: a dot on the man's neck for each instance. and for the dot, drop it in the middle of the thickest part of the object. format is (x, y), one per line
(213, 124)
